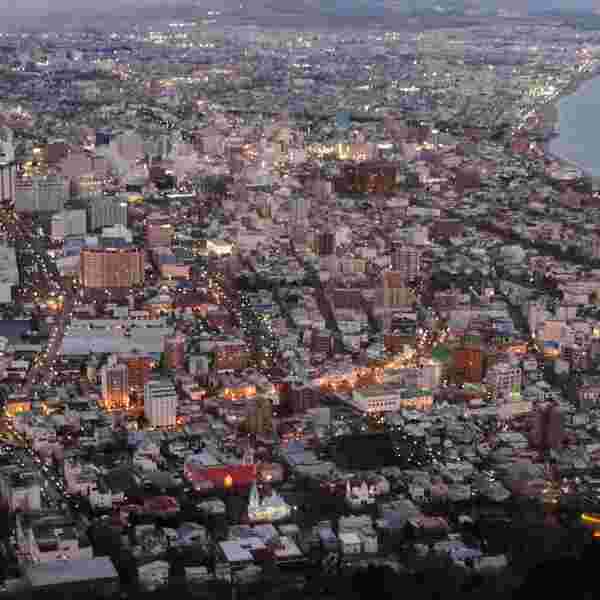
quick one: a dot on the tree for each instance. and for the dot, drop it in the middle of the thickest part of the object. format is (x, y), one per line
(126, 567)
(176, 565)
(5, 521)
(162, 363)
(142, 422)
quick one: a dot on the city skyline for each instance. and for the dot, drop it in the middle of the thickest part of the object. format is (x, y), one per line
(299, 300)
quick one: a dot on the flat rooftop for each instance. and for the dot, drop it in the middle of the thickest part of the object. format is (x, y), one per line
(60, 572)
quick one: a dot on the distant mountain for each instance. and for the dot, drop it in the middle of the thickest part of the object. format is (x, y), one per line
(452, 7)
(274, 12)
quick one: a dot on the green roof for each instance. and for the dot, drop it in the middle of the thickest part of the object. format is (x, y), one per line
(441, 353)
(473, 386)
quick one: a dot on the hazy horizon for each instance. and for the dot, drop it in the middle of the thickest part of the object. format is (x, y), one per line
(40, 12)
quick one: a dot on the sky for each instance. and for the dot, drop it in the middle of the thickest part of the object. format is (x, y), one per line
(33, 8)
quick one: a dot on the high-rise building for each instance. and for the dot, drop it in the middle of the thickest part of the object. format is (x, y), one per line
(175, 351)
(325, 243)
(40, 193)
(111, 268)
(299, 208)
(115, 386)
(68, 223)
(8, 180)
(139, 371)
(406, 260)
(395, 290)
(159, 230)
(106, 211)
(259, 415)
(160, 403)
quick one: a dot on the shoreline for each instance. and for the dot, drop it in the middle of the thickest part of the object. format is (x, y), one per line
(550, 115)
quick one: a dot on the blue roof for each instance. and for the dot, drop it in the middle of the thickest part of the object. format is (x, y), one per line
(343, 119)
(295, 447)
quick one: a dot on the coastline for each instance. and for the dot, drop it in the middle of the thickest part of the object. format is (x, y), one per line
(550, 115)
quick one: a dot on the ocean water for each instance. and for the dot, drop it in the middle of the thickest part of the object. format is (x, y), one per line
(579, 127)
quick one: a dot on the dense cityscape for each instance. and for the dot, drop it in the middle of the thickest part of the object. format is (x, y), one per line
(312, 313)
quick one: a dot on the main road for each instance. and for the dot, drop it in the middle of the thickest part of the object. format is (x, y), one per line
(42, 368)
(21, 232)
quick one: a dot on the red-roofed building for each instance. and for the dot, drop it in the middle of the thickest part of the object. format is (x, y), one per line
(161, 505)
(205, 472)
(220, 476)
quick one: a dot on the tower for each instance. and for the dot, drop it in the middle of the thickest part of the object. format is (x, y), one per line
(175, 351)
(115, 388)
(248, 458)
(254, 499)
(160, 403)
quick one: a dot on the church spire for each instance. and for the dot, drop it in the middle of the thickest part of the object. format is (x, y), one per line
(248, 458)
(254, 500)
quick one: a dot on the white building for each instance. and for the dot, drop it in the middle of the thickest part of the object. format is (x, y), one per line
(9, 273)
(390, 398)
(106, 211)
(160, 403)
(21, 490)
(68, 223)
(505, 379)
(118, 231)
(40, 193)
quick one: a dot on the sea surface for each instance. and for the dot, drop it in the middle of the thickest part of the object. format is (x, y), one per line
(579, 127)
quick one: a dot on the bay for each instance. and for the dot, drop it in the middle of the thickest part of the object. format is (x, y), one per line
(579, 127)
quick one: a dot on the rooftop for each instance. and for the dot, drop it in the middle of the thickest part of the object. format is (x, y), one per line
(61, 572)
